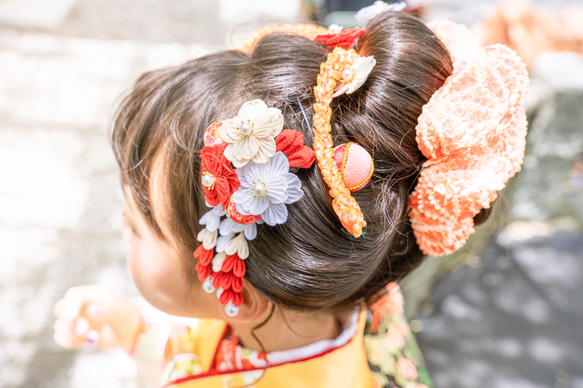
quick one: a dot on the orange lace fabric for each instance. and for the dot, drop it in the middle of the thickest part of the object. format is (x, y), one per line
(473, 133)
(309, 31)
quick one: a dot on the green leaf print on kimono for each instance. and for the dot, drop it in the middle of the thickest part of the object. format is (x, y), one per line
(393, 355)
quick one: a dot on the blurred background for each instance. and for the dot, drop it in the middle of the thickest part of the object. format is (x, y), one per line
(506, 311)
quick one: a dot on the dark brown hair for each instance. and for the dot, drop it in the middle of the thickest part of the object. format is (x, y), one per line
(309, 262)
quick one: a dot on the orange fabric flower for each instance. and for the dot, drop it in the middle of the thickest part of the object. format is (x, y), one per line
(473, 132)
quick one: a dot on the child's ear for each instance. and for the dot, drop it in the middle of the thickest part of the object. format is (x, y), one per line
(253, 308)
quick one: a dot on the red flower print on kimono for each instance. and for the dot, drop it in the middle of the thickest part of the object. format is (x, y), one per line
(219, 181)
(344, 39)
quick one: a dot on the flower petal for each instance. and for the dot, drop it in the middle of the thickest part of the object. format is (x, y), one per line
(278, 165)
(277, 189)
(246, 147)
(266, 149)
(229, 131)
(250, 109)
(250, 231)
(222, 242)
(218, 262)
(275, 214)
(212, 218)
(239, 246)
(294, 188)
(207, 238)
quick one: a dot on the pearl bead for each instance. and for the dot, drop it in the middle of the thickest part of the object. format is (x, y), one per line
(231, 309)
(259, 190)
(219, 292)
(207, 285)
(208, 180)
(347, 74)
(245, 129)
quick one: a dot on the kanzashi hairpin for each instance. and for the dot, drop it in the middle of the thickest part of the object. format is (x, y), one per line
(245, 174)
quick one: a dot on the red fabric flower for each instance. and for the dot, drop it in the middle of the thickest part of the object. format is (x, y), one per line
(224, 180)
(235, 265)
(229, 295)
(291, 143)
(344, 39)
(230, 279)
(203, 267)
(227, 280)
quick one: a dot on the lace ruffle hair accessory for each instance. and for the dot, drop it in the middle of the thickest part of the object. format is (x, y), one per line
(472, 131)
(246, 180)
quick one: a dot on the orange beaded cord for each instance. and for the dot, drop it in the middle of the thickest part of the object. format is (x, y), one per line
(344, 204)
(309, 31)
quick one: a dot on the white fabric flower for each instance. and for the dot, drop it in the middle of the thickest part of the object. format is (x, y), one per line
(368, 13)
(239, 246)
(212, 218)
(217, 262)
(266, 188)
(229, 228)
(207, 238)
(251, 134)
(222, 242)
(356, 76)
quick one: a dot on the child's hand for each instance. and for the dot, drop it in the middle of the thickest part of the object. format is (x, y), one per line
(96, 315)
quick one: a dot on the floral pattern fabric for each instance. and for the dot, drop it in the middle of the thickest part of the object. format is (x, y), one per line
(394, 357)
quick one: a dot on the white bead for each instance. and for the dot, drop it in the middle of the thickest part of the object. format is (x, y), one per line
(259, 190)
(207, 285)
(208, 180)
(347, 74)
(245, 128)
(219, 292)
(231, 309)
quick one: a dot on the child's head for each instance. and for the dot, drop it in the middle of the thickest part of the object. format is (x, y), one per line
(308, 262)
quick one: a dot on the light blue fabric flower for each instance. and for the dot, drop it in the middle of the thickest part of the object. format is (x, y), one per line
(266, 189)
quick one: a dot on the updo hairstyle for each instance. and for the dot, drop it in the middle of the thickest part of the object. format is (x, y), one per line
(309, 262)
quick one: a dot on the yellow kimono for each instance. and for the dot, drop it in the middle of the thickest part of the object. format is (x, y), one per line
(381, 352)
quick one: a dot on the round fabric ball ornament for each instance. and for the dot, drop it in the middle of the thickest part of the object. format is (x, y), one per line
(238, 217)
(212, 134)
(355, 164)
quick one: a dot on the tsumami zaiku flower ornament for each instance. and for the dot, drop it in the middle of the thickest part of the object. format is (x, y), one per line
(245, 173)
(251, 134)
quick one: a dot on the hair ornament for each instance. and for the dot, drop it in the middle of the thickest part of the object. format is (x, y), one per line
(366, 14)
(355, 165)
(337, 66)
(336, 37)
(250, 136)
(246, 179)
(472, 131)
(309, 31)
(354, 77)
